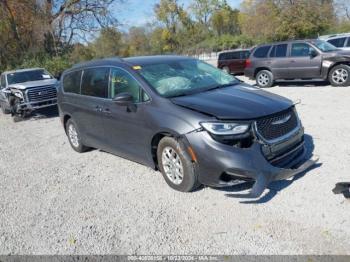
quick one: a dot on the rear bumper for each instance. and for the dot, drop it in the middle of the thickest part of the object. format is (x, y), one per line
(223, 165)
(249, 72)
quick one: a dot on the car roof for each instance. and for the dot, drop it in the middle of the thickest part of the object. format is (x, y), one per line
(333, 36)
(130, 61)
(22, 70)
(146, 60)
(235, 50)
(288, 41)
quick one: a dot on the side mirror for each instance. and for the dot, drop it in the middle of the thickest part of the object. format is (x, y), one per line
(123, 99)
(312, 53)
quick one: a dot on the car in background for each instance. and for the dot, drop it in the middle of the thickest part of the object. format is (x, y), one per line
(25, 90)
(233, 61)
(341, 41)
(192, 121)
(298, 59)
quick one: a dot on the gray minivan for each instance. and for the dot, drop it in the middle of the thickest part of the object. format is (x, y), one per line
(192, 121)
(299, 59)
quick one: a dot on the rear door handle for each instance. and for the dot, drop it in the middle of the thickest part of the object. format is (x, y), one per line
(98, 109)
(292, 61)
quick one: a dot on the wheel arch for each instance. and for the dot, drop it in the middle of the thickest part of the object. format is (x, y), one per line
(156, 139)
(258, 69)
(65, 119)
(155, 142)
(336, 64)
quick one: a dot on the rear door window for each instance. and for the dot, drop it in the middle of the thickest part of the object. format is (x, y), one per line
(71, 82)
(95, 82)
(262, 51)
(338, 42)
(279, 50)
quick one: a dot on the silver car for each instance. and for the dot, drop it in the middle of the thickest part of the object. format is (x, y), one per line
(23, 91)
(298, 59)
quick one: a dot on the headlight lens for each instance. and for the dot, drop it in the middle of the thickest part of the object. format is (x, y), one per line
(19, 94)
(222, 128)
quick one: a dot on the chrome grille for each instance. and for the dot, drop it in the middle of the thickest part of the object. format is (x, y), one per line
(277, 125)
(42, 93)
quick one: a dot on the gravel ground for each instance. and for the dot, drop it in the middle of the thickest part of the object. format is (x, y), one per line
(56, 201)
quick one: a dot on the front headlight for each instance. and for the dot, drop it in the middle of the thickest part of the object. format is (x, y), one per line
(225, 128)
(19, 94)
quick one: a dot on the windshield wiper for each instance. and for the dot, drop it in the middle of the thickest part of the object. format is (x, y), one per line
(222, 86)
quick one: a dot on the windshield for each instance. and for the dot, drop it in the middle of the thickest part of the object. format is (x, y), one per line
(184, 77)
(34, 75)
(324, 46)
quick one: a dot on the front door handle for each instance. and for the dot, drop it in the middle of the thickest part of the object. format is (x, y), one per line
(107, 111)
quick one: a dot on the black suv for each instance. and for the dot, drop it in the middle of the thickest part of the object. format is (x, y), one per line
(300, 59)
(194, 122)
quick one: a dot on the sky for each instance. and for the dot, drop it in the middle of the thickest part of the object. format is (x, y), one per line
(139, 12)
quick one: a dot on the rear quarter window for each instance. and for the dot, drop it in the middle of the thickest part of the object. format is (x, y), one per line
(71, 82)
(262, 51)
(245, 54)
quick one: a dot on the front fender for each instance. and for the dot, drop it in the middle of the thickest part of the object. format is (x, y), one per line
(329, 62)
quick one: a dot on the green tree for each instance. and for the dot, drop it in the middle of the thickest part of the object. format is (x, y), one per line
(268, 20)
(108, 43)
(225, 21)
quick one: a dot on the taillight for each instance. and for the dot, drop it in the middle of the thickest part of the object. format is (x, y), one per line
(248, 63)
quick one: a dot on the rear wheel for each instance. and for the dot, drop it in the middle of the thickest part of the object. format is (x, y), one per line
(264, 79)
(226, 69)
(339, 75)
(74, 137)
(176, 165)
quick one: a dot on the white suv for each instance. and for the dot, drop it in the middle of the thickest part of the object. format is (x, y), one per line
(341, 41)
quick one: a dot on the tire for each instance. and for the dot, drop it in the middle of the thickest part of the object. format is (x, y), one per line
(173, 150)
(74, 137)
(226, 69)
(339, 75)
(4, 110)
(264, 79)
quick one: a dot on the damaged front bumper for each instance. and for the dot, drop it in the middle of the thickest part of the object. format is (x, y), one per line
(31, 106)
(223, 165)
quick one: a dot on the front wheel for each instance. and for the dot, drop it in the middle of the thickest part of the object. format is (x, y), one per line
(4, 110)
(264, 79)
(176, 165)
(339, 75)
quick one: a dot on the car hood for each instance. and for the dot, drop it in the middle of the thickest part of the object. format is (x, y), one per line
(25, 85)
(241, 102)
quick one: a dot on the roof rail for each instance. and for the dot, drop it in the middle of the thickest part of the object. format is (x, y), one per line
(97, 60)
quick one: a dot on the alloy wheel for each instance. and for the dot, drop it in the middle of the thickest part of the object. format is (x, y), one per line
(263, 79)
(340, 76)
(172, 165)
(73, 135)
